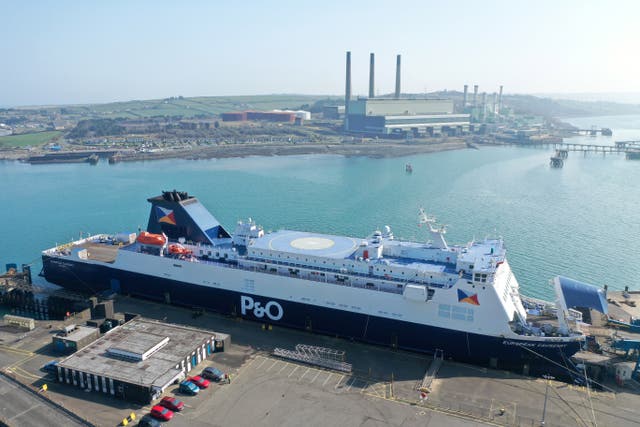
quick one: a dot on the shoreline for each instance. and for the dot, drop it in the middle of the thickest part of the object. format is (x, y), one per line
(384, 149)
(373, 150)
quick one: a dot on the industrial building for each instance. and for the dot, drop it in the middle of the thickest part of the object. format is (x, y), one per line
(140, 359)
(73, 338)
(397, 115)
(286, 116)
(419, 116)
(334, 112)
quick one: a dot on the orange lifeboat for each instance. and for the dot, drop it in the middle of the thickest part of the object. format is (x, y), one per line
(151, 239)
(177, 249)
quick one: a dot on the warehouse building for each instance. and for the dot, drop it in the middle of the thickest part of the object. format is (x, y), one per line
(140, 359)
(418, 116)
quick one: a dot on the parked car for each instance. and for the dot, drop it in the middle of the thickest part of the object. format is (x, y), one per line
(161, 413)
(51, 367)
(213, 374)
(199, 381)
(147, 421)
(172, 403)
(187, 387)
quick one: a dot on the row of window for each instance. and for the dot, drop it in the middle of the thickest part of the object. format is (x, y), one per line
(455, 312)
(480, 277)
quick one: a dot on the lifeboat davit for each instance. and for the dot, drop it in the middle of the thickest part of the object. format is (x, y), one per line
(177, 249)
(151, 239)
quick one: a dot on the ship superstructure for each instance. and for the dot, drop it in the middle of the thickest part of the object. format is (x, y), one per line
(423, 296)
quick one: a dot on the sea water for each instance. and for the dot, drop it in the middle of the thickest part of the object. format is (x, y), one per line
(580, 221)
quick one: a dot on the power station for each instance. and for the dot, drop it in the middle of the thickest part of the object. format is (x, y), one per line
(399, 116)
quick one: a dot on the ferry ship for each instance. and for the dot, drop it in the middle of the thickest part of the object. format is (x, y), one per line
(459, 301)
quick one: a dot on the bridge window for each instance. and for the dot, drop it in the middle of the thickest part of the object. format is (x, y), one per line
(444, 310)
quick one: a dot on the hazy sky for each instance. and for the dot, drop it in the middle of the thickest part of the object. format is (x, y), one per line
(56, 52)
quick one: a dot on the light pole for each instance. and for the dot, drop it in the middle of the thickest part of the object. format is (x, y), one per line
(546, 391)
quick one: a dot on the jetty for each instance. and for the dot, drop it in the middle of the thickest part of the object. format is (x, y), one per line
(594, 131)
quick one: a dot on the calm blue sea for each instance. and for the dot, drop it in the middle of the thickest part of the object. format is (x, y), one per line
(581, 221)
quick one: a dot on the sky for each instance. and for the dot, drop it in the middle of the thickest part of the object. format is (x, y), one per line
(66, 52)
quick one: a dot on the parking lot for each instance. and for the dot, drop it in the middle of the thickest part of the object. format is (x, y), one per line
(266, 390)
(271, 391)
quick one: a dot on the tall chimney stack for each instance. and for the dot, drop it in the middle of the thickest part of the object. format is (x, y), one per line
(475, 95)
(397, 95)
(500, 100)
(372, 67)
(494, 108)
(347, 92)
(484, 105)
(464, 96)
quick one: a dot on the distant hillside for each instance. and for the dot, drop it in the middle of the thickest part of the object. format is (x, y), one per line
(208, 106)
(185, 107)
(567, 108)
(548, 107)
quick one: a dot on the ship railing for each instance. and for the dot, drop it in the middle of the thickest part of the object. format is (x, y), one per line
(378, 285)
(306, 274)
(352, 274)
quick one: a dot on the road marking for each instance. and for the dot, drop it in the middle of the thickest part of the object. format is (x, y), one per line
(353, 380)
(291, 373)
(283, 366)
(274, 364)
(251, 362)
(16, 350)
(305, 373)
(263, 362)
(325, 381)
(28, 374)
(314, 378)
(366, 385)
(339, 381)
(25, 411)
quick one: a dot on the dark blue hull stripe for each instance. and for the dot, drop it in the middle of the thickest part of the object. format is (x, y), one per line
(462, 346)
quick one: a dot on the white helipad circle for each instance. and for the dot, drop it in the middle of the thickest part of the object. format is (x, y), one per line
(312, 243)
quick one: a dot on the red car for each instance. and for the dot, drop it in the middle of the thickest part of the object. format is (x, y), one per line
(161, 413)
(199, 381)
(172, 403)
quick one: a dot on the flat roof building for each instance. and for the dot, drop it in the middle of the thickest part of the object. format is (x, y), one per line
(75, 338)
(420, 116)
(140, 359)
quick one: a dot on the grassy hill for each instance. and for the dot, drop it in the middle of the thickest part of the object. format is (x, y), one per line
(190, 107)
(28, 139)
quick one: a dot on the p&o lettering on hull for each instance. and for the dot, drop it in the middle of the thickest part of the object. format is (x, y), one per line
(271, 309)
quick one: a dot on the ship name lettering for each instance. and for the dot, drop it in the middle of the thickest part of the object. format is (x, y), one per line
(271, 309)
(532, 344)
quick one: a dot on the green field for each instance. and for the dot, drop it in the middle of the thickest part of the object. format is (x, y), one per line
(26, 139)
(189, 107)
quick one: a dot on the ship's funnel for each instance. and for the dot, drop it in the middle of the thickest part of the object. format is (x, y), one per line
(177, 214)
(372, 60)
(397, 94)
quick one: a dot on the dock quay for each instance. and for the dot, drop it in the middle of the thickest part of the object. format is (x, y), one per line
(84, 156)
(631, 149)
(269, 390)
(594, 131)
(628, 144)
(584, 148)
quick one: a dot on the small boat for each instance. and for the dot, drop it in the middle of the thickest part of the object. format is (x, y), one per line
(152, 239)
